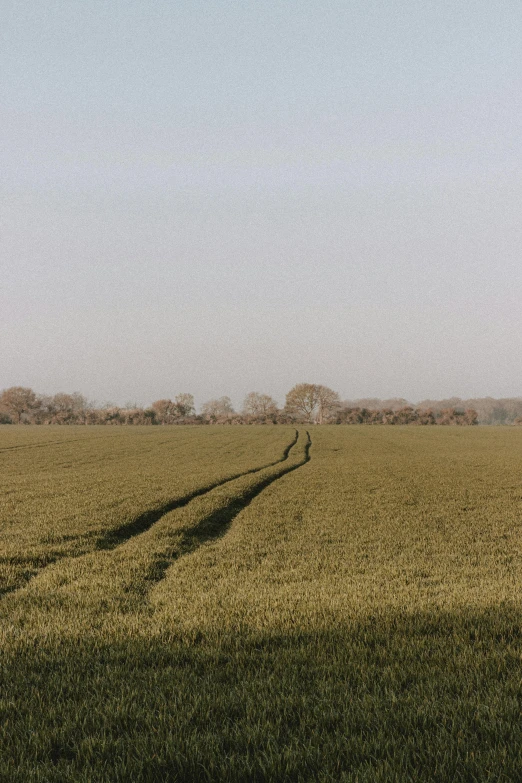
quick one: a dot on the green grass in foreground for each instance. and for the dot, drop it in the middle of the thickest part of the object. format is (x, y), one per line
(356, 619)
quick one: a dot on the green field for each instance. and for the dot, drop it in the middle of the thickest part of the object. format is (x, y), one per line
(238, 604)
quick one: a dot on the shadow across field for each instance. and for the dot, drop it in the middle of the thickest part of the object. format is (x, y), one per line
(147, 519)
(215, 525)
(427, 696)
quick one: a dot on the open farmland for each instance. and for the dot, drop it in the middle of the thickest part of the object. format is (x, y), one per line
(71, 491)
(241, 604)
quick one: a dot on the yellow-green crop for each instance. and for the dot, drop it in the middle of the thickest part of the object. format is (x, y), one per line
(350, 612)
(69, 491)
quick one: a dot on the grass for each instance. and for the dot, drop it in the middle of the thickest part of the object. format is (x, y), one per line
(67, 491)
(354, 616)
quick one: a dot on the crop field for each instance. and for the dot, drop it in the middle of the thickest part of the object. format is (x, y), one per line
(260, 604)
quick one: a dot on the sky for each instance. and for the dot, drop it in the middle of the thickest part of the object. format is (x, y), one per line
(230, 196)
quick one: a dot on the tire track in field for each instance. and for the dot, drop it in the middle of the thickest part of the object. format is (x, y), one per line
(147, 519)
(140, 524)
(216, 524)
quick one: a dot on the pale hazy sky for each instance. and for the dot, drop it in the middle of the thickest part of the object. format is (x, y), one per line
(225, 196)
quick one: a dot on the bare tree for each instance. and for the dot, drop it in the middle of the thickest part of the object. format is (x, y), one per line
(67, 408)
(261, 405)
(185, 405)
(168, 411)
(217, 410)
(312, 402)
(165, 410)
(327, 404)
(301, 401)
(110, 414)
(17, 401)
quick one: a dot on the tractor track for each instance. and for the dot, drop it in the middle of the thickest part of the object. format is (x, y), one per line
(149, 518)
(215, 525)
(144, 521)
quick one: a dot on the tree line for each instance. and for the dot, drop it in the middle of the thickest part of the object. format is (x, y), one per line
(507, 410)
(306, 403)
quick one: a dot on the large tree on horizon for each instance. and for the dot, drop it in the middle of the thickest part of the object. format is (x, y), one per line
(312, 402)
(18, 400)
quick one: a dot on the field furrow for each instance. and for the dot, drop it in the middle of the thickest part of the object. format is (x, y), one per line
(351, 613)
(148, 518)
(84, 587)
(76, 497)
